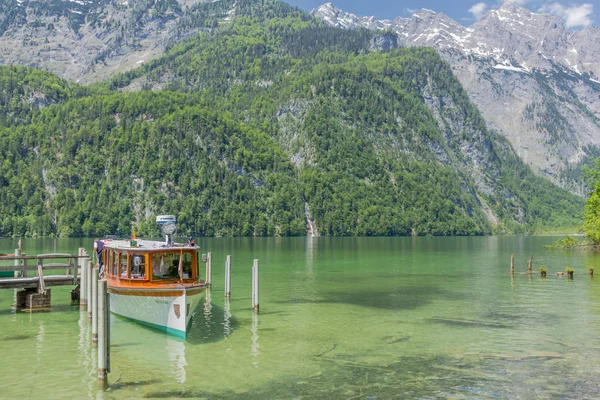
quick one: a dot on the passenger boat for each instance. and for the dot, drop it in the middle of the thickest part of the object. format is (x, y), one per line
(156, 283)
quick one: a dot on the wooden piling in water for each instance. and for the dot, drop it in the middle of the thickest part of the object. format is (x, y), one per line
(88, 265)
(77, 262)
(95, 307)
(255, 302)
(40, 276)
(17, 263)
(103, 341)
(530, 265)
(228, 277)
(209, 269)
(76, 270)
(512, 264)
(82, 285)
(80, 253)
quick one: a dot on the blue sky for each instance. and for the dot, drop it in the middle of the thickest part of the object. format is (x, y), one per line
(575, 14)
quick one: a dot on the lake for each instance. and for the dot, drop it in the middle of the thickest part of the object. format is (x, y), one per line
(347, 318)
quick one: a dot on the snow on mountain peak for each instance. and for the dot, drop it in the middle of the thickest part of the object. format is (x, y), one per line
(510, 31)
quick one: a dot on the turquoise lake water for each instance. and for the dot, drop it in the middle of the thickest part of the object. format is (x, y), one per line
(341, 318)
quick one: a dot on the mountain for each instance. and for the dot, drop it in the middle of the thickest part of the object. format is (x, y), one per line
(265, 124)
(534, 81)
(90, 40)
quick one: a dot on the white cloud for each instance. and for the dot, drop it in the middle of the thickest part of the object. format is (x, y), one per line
(410, 10)
(575, 16)
(478, 10)
(519, 2)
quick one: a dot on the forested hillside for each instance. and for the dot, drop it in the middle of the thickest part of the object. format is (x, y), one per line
(256, 122)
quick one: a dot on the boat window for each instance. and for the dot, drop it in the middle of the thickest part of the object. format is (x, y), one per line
(115, 264)
(107, 255)
(186, 265)
(166, 265)
(138, 267)
(123, 265)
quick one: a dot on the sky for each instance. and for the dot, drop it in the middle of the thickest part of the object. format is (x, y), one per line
(575, 14)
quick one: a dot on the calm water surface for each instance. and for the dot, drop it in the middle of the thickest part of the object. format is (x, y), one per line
(348, 318)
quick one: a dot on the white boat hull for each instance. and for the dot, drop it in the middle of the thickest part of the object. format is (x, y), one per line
(167, 310)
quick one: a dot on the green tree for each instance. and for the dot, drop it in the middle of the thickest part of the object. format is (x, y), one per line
(591, 213)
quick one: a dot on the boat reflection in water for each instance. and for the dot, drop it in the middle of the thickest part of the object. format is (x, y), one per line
(137, 352)
(176, 353)
(171, 355)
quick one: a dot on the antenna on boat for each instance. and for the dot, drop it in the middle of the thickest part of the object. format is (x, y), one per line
(167, 227)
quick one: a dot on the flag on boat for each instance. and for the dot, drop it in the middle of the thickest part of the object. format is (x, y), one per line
(180, 267)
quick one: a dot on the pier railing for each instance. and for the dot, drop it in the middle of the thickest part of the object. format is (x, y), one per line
(22, 264)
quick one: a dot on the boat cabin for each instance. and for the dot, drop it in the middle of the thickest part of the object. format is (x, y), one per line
(140, 261)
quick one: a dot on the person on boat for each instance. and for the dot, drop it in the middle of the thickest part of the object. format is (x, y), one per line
(173, 269)
(139, 270)
(191, 242)
(98, 247)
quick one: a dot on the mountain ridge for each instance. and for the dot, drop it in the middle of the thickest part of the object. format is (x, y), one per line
(439, 28)
(90, 40)
(541, 92)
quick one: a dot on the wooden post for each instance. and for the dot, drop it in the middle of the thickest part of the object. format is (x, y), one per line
(95, 307)
(103, 322)
(40, 273)
(79, 254)
(88, 284)
(228, 277)
(75, 270)
(255, 302)
(209, 269)
(77, 260)
(82, 286)
(530, 265)
(512, 264)
(17, 263)
(253, 288)
(84, 253)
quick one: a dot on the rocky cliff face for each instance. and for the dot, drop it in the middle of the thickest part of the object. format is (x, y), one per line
(89, 40)
(533, 80)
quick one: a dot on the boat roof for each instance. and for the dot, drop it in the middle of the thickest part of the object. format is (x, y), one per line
(146, 245)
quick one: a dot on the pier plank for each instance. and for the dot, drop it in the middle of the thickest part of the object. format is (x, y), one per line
(33, 282)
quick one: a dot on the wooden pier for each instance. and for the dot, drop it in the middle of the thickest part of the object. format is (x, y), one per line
(35, 293)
